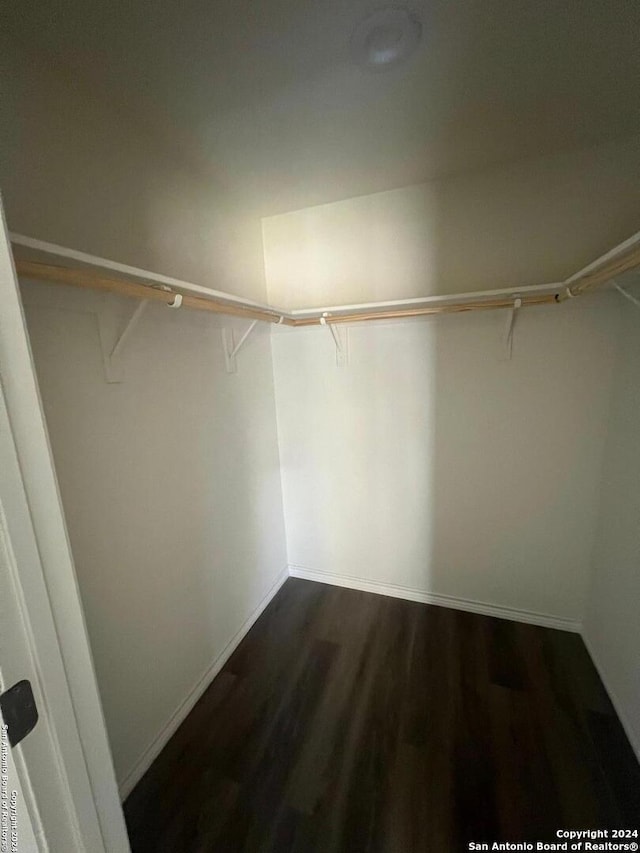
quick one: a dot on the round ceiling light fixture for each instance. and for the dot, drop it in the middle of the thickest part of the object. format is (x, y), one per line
(385, 38)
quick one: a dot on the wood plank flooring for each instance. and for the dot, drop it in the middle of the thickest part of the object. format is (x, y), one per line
(347, 721)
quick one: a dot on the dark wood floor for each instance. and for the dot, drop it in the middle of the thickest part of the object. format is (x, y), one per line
(347, 721)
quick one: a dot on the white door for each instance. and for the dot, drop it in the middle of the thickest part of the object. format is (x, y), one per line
(64, 765)
(38, 763)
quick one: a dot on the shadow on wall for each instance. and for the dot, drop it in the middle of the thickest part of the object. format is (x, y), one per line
(517, 454)
(612, 628)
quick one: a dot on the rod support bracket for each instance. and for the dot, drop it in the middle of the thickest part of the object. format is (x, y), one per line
(112, 342)
(341, 340)
(231, 348)
(508, 332)
(177, 297)
(629, 296)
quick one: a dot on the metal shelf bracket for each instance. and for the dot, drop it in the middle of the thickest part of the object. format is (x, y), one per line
(112, 352)
(508, 332)
(231, 349)
(341, 340)
(633, 299)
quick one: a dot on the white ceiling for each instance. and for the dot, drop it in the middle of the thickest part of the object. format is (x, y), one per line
(267, 97)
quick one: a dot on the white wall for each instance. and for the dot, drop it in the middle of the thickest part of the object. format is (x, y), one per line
(527, 223)
(433, 464)
(170, 481)
(430, 464)
(612, 625)
(171, 487)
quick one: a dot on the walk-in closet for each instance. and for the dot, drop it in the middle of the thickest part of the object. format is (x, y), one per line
(319, 426)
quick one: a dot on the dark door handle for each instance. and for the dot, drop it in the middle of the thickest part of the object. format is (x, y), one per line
(19, 711)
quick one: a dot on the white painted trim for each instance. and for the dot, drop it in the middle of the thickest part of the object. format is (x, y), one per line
(634, 737)
(452, 298)
(91, 777)
(482, 607)
(442, 299)
(158, 743)
(57, 251)
(135, 272)
(620, 249)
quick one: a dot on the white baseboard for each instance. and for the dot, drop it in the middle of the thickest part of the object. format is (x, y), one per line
(500, 612)
(634, 737)
(128, 783)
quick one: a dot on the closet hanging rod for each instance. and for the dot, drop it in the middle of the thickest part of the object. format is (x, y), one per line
(87, 279)
(621, 259)
(591, 278)
(426, 310)
(427, 301)
(613, 254)
(54, 253)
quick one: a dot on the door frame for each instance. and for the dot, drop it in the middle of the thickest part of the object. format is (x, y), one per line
(73, 705)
